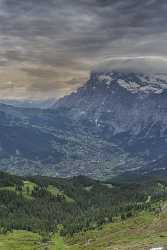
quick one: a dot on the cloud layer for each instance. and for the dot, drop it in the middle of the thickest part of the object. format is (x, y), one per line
(48, 48)
(137, 64)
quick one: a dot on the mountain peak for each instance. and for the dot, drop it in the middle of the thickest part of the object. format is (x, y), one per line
(133, 82)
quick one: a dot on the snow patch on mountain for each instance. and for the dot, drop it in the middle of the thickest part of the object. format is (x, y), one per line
(128, 84)
(152, 83)
(106, 78)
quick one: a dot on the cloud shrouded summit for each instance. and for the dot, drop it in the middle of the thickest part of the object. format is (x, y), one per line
(48, 48)
(138, 64)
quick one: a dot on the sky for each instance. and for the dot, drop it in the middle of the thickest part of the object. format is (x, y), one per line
(49, 47)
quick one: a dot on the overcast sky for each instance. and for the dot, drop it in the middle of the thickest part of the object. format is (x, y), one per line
(49, 47)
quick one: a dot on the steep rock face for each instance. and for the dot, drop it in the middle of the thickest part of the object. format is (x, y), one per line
(126, 105)
(129, 109)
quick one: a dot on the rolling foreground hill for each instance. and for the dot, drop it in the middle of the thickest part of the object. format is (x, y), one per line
(116, 122)
(80, 213)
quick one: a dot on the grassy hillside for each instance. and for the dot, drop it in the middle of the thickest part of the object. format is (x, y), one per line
(21, 240)
(140, 232)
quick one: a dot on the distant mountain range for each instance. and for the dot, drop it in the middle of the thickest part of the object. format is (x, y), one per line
(42, 104)
(115, 123)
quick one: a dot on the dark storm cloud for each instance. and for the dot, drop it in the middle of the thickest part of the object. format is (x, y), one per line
(71, 36)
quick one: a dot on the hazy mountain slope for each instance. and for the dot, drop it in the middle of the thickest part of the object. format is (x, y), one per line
(116, 122)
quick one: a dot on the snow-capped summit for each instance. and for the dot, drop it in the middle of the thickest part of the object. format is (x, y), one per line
(133, 82)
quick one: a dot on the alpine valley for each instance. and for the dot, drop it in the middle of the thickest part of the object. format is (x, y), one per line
(115, 123)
